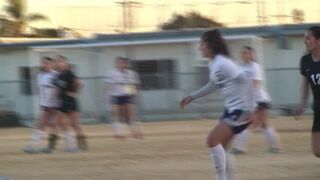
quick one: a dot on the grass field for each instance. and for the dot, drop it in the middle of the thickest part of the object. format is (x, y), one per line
(170, 151)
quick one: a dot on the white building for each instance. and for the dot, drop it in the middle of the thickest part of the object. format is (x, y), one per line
(169, 64)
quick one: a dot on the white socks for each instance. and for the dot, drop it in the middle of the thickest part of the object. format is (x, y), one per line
(70, 140)
(218, 156)
(240, 140)
(36, 138)
(272, 137)
(118, 128)
(230, 169)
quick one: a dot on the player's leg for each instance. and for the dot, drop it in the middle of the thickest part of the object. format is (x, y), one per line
(53, 132)
(65, 125)
(134, 122)
(271, 135)
(116, 116)
(219, 137)
(38, 133)
(240, 142)
(316, 135)
(75, 123)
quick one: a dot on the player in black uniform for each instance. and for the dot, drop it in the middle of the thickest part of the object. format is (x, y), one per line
(310, 71)
(68, 85)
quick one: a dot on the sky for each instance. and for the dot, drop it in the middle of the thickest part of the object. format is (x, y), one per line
(105, 16)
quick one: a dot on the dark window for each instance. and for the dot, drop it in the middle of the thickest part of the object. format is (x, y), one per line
(155, 74)
(25, 76)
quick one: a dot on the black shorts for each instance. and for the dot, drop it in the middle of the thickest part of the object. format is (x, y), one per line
(263, 105)
(121, 100)
(316, 122)
(47, 109)
(68, 104)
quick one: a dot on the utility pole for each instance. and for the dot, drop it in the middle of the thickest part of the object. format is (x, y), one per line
(128, 14)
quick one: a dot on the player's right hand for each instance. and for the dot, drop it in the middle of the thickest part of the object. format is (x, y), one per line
(185, 101)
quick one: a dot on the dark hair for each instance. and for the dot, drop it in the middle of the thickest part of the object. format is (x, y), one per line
(62, 57)
(47, 58)
(251, 49)
(215, 42)
(124, 59)
(315, 30)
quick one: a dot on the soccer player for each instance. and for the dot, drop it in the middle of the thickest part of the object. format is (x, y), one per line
(48, 103)
(68, 86)
(263, 100)
(310, 71)
(122, 90)
(235, 88)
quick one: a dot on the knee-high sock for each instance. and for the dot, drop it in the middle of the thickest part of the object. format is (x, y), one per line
(272, 137)
(70, 139)
(36, 137)
(218, 156)
(118, 128)
(230, 169)
(240, 141)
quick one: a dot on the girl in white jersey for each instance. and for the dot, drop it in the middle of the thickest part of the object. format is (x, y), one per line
(122, 89)
(263, 100)
(237, 92)
(48, 103)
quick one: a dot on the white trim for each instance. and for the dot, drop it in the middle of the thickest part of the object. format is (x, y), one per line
(130, 43)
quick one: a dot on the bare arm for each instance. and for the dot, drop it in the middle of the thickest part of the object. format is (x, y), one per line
(304, 92)
(77, 84)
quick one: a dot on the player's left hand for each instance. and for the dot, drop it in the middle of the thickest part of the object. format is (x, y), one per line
(185, 101)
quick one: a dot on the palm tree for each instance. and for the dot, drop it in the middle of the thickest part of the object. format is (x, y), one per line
(18, 18)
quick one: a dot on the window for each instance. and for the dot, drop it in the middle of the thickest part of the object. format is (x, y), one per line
(155, 74)
(25, 76)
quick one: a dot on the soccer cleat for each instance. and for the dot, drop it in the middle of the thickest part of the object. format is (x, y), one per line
(274, 150)
(47, 150)
(237, 151)
(71, 150)
(30, 150)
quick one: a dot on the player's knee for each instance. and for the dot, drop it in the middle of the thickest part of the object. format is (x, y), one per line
(211, 143)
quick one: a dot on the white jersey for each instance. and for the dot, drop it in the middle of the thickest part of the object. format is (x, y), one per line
(122, 82)
(232, 83)
(254, 72)
(47, 89)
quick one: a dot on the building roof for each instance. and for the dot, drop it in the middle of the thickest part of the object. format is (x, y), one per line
(163, 36)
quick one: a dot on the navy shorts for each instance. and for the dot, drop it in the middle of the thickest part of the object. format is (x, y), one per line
(68, 104)
(316, 122)
(263, 105)
(47, 109)
(237, 119)
(121, 100)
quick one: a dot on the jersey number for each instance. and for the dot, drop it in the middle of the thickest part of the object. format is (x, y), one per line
(315, 79)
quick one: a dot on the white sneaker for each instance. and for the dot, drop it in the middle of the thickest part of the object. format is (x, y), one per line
(30, 150)
(71, 150)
